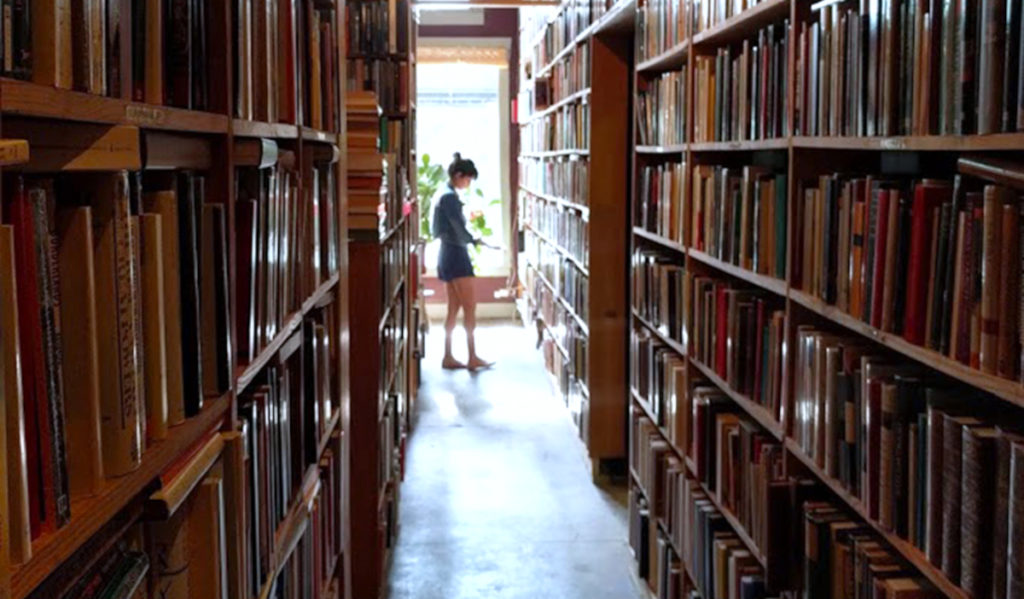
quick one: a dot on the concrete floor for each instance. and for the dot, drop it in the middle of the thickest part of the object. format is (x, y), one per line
(497, 501)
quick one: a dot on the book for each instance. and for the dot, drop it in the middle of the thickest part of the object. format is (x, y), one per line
(1014, 556)
(214, 300)
(122, 391)
(17, 499)
(74, 235)
(165, 204)
(154, 324)
(51, 43)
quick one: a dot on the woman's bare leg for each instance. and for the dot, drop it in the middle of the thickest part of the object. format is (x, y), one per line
(449, 360)
(464, 289)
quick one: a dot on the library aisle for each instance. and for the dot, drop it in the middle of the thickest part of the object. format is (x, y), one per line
(497, 500)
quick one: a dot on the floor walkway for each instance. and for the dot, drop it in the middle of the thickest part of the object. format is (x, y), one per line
(497, 502)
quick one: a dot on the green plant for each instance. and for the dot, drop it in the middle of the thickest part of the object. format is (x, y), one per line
(429, 178)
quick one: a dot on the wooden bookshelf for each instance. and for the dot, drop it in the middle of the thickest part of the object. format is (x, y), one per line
(586, 325)
(801, 157)
(385, 254)
(171, 140)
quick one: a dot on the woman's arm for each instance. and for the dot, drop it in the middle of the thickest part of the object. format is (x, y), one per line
(451, 213)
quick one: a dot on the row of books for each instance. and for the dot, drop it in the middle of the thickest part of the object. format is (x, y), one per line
(155, 52)
(934, 260)
(739, 216)
(572, 19)
(285, 58)
(566, 178)
(746, 89)
(923, 466)
(567, 128)
(284, 419)
(661, 109)
(840, 552)
(711, 13)
(658, 374)
(565, 343)
(376, 28)
(559, 272)
(661, 26)
(659, 200)
(560, 226)
(568, 76)
(911, 68)
(658, 292)
(116, 290)
(287, 247)
(740, 334)
(389, 80)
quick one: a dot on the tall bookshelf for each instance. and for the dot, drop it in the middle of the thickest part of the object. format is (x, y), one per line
(745, 210)
(383, 246)
(573, 177)
(198, 151)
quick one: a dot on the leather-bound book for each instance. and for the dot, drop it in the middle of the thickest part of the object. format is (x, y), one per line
(74, 238)
(1015, 543)
(991, 54)
(952, 491)
(1008, 357)
(89, 56)
(1001, 523)
(977, 505)
(15, 464)
(991, 250)
(153, 83)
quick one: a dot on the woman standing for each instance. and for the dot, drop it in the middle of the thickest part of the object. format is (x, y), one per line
(453, 265)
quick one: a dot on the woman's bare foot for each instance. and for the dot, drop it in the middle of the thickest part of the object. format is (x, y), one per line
(452, 364)
(476, 363)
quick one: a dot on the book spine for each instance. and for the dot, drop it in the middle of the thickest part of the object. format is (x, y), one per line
(1009, 292)
(990, 292)
(1015, 543)
(153, 325)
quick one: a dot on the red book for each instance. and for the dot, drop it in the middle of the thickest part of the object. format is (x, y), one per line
(929, 195)
(33, 370)
(873, 423)
(878, 268)
(721, 330)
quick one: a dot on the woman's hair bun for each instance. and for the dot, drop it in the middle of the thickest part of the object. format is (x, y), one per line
(461, 166)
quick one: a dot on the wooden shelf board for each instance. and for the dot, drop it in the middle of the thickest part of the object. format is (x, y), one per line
(756, 411)
(670, 149)
(756, 145)
(555, 153)
(621, 17)
(924, 143)
(676, 346)
(658, 239)
(670, 60)
(776, 286)
(558, 200)
(1008, 390)
(911, 553)
(246, 128)
(248, 373)
(561, 250)
(316, 135)
(744, 24)
(570, 99)
(24, 98)
(89, 515)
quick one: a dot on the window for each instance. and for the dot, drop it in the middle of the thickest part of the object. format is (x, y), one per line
(463, 107)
